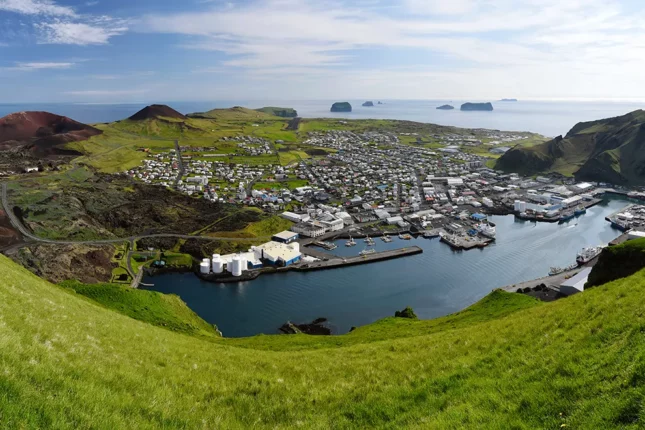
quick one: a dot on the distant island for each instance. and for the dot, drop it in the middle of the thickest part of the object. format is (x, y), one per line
(341, 107)
(379, 103)
(445, 107)
(508, 100)
(477, 106)
(368, 104)
(278, 111)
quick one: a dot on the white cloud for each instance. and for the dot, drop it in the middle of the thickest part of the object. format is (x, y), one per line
(36, 7)
(440, 7)
(68, 33)
(39, 66)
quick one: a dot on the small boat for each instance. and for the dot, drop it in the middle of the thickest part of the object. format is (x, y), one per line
(369, 241)
(350, 242)
(405, 237)
(566, 216)
(367, 252)
(386, 239)
(580, 210)
(430, 234)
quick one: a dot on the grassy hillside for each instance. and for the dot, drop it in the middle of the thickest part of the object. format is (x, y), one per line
(617, 262)
(607, 150)
(67, 363)
(163, 310)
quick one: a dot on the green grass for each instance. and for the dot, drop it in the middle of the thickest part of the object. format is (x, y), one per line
(507, 363)
(162, 310)
(262, 229)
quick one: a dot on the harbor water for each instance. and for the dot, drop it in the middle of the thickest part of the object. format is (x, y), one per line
(437, 282)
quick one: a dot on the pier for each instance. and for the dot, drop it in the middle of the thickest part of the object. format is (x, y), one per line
(361, 259)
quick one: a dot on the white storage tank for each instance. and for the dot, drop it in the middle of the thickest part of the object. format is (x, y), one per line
(218, 265)
(237, 267)
(216, 256)
(205, 267)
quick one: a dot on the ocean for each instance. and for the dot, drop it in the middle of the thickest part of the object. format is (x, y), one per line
(544, 117)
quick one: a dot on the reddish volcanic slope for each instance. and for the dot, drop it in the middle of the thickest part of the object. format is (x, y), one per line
(22, 126)
(156, 111)
(41, 132)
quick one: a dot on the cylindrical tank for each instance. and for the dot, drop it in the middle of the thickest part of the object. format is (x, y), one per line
(205, 267)
(216, 256)
(218, 265)
(237, 266)
(229, 266)
(244, 264)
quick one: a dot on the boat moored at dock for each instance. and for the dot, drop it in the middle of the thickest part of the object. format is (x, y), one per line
(588, 254)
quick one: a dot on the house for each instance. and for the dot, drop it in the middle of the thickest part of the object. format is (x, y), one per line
(309, 229)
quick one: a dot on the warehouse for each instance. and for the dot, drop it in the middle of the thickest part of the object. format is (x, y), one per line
(278, 254)
(285, 237)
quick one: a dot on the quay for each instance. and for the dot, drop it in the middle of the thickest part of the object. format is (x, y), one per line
(586, 204)
(326, 261)
(353, 261)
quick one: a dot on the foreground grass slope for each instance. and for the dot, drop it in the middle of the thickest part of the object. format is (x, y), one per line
(67, 363)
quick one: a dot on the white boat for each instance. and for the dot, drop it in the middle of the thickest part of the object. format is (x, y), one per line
(369, 241)
(588, 254)
(386, 239)
(367, 252)
(350, 242)
(486, 230)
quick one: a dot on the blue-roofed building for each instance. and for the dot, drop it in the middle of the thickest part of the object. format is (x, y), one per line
(478, 217)
(285, 237)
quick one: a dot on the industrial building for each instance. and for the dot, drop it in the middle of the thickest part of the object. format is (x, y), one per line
(309, 229)
(285, 237)
(575, 284)
(277, 253)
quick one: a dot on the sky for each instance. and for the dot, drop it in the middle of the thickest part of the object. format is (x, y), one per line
(121, 51)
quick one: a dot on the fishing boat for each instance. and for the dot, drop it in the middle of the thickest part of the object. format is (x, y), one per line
(580, 210)
(369, 241)
(430, 234)
(588, 254)
(367, 252)
(566, 216)
(557, 270)
(405, 237)
(486, 230)
(386, 239)
(350, 242)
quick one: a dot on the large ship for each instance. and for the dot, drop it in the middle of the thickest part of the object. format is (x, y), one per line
(580, 210)
(588, 254)
(486, 230)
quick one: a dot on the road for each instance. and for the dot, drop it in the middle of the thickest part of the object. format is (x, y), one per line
(27, 234)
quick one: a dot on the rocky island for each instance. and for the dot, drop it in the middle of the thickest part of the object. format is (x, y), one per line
(445, 107)
(508, 100)
(368, 104)
(477, 106)
(341, 107)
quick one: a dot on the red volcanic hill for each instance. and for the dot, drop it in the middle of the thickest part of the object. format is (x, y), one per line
(156, 111)
(41, 132)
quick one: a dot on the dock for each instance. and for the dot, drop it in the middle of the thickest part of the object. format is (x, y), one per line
(361, 259)
(465, 243)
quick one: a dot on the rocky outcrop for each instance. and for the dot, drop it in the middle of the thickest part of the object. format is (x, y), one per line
(341, 107)
(445, 107)
(316, 327)
(477, 106)
(368, 104)
(278, 111)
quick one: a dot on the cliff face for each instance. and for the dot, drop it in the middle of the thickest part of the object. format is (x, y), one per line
(608, 150)
(278, 111)
(341, 107)
(477, 106)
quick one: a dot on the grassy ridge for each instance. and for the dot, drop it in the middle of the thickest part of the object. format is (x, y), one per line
(578, 362)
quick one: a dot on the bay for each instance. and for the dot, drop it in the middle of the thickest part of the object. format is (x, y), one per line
(437, 282)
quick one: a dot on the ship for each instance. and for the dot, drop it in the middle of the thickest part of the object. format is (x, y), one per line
(386, 239)
(618, 224)
(566, 216)
(588, 254)
(350, 242)
(367, 252)
(486, 230)
(580, 210)
(369, 241)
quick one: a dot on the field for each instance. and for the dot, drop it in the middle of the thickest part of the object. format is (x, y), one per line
(507, 362)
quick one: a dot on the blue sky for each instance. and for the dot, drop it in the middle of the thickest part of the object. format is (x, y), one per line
(134, 50)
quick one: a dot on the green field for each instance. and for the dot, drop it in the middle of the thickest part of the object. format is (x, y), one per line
(507, 362)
